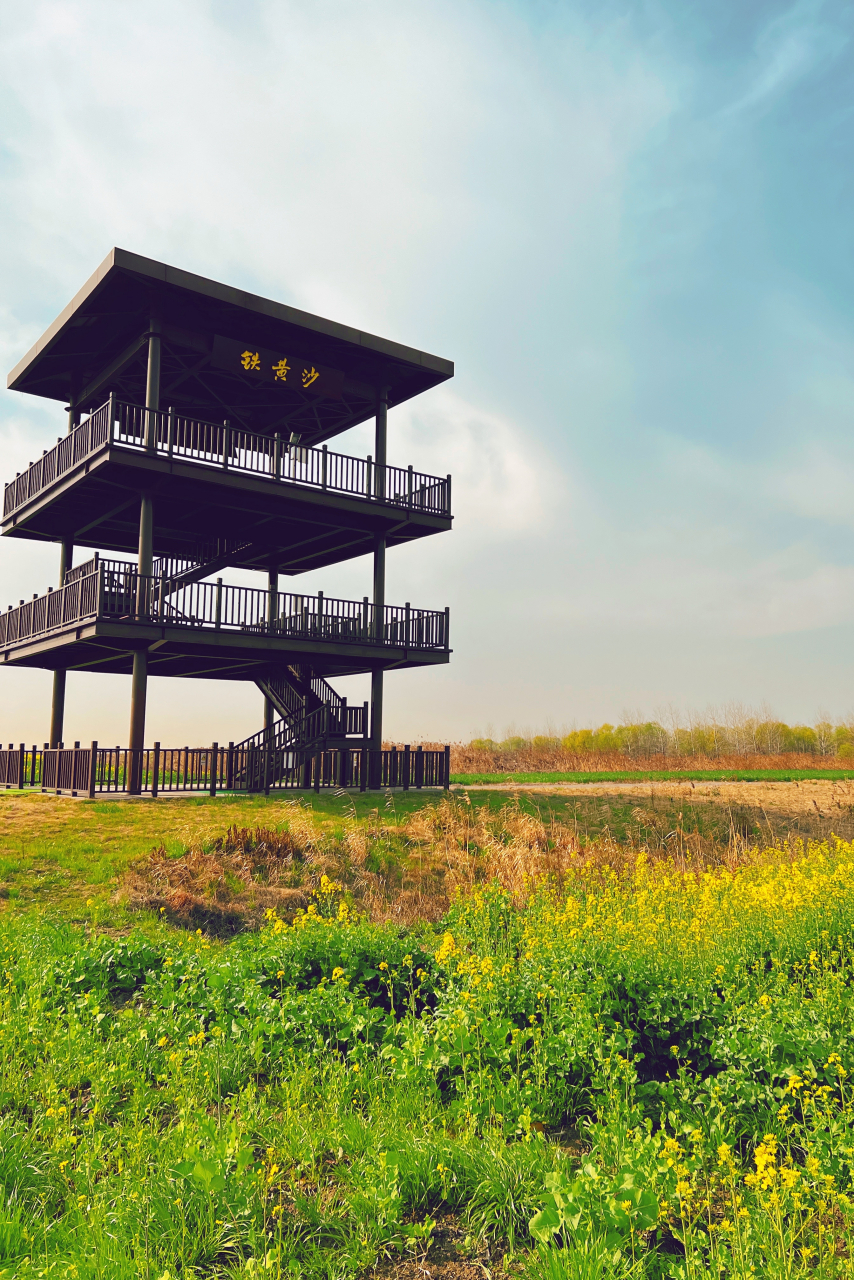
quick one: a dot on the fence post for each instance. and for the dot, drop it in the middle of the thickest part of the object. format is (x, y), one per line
(226, 444)
(33, 766)
(93, 768)
(447, 778)
(155, 781)
(318, 765)
(323, 466)
(218, 605)
(277, 456)
(447, 626)
(409, 485)
(22, 753)
(406, 766)
(214, 763)
(419, 767)
(170, 435)
(368, 485)
(229, 768)
(406, 625)
(363, 770)
(111, 416)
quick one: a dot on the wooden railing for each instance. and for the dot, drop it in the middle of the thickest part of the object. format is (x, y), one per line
(113, 590)
(218, 445)
(95, 770)
(316, 726)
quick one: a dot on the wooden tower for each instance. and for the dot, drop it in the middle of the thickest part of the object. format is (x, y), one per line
(198, 417)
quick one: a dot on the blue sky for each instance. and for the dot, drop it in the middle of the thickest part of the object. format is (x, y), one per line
(628, 224)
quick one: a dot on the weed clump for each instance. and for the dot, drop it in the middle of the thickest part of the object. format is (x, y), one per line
(226, 884)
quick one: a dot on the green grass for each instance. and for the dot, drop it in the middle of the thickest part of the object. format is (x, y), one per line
(652, 775)
(599, 1072)
(611, 1063)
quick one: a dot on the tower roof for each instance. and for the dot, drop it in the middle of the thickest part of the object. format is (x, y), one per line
(226, 353)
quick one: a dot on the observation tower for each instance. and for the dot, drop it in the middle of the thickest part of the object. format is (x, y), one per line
(197, 430)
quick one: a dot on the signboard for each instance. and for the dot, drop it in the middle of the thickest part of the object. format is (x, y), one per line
(272, 366)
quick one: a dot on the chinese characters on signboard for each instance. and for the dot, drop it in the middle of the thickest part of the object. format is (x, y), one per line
(272, 366)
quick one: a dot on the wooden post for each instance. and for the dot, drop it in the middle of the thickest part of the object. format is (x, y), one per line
(226, 444)
(139, 679)
(22, 755)
(152, 385)
(406, 765)
(33, 765)
(318, 765)
(57, 708)
(170, 438)
(323, 464)
(419, 767)
(218, 605)
(214, 762)
(277, 456)
(229, 768)
(155, 764)
(447, 778)
(93, 769)
(380, 443)
(138, 693)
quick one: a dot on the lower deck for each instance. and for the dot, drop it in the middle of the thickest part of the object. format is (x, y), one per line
(208, 630)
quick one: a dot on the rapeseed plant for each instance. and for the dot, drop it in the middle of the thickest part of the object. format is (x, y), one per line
(647, 1064)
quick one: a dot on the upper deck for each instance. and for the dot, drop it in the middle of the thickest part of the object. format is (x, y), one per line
(274, 505)
(265, 366)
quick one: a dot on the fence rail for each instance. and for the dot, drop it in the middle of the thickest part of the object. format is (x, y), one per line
(112, 590)
(246, 767)
(218, 445)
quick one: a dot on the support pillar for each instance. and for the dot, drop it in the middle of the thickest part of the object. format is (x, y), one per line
(73, 410)
(57, 706)
(138, 694)
(380, 448)
(272, 618)
(139, 679)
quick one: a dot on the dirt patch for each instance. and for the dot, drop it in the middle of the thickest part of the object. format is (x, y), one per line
(443, 1260)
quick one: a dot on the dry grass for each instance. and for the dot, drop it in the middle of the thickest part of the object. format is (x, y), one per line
(467, 759)
(402, 871)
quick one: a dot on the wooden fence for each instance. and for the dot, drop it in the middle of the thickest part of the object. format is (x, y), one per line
(97, 770)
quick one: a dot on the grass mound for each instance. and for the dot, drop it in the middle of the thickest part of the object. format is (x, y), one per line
(227, 887)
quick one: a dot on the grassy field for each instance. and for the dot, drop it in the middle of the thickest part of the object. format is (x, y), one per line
(652, 775)
(550, 1036)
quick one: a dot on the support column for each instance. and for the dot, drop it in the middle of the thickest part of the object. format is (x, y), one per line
(272, 618)
(73, 410)
(138, 695)
(139, 679)
(57, 706)
(380, 444)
